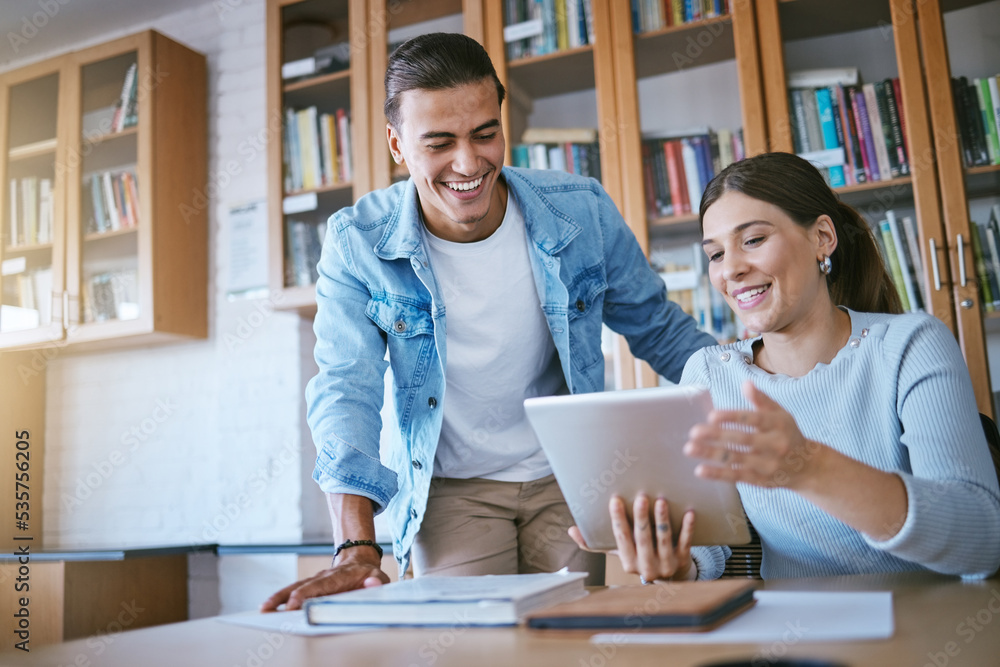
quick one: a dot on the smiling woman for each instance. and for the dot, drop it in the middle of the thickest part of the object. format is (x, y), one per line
(851, 431)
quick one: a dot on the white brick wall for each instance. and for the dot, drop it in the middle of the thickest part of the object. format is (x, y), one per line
(202, 441)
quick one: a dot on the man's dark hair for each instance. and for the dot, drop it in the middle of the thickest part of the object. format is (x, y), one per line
(437, 61)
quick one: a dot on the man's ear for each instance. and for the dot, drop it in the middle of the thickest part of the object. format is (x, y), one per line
(826, 236)
(392, 136)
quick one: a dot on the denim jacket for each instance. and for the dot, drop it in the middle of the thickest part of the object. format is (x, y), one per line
(377, 293)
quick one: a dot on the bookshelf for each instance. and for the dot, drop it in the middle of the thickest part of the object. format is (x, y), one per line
(886, 40)
(106, 152)
(967, 194)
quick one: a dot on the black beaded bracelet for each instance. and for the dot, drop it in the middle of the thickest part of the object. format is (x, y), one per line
(347, 544)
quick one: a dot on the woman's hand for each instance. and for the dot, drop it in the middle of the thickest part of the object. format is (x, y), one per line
(647, 548)
(762, 446)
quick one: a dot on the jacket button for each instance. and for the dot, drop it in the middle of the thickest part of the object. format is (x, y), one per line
(413, 513)
(432, 402)
(580, 305)
(399, 326)
(417, 464)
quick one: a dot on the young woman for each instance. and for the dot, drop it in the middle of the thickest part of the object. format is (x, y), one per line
(850, 430)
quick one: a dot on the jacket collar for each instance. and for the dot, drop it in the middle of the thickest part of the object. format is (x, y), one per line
(550, 228)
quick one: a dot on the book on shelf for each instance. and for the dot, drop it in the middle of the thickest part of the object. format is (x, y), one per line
(113, 201)
(125, 114)
(489, 600)
(546, 26)
(687, 606)
(111, 295)
(325, 60)
(649, 15)
(303, 247)
(30, 211)
(899, 246)
(678, 167)
(832, 110)
(574, 150)
(316, 148)
(977, 113)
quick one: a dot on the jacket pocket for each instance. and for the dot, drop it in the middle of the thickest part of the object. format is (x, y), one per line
(409, 335)
(586, 313)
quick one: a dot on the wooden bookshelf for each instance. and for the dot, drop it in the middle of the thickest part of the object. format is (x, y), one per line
(164, 150)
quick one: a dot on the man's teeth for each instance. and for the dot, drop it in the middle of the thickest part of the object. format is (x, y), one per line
(465, 187)
(749, 294)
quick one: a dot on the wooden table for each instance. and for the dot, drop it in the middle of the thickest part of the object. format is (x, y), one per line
(940, 621)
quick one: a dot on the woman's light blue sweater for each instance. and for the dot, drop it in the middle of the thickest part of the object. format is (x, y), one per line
(897, 397)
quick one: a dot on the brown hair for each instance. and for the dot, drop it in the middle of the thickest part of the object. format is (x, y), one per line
(859, 279)
(435, 61)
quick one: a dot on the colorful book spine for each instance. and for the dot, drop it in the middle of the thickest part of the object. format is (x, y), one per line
(824, 108)
(892, 258)
(861, 118)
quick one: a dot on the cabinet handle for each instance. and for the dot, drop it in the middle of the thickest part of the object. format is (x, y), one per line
(961, 261)
(65, 309)
(934, 266)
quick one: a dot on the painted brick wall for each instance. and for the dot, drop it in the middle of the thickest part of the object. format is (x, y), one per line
(202, 441)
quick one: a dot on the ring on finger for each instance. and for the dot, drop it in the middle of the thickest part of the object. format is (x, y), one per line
(725, 455)
(663, 527)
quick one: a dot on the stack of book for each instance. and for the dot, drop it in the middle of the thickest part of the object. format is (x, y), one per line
(977, 110)
(686, 278)
(111, 295)
(574, 150)
(899, 244)
(650, 15)
(30, 291)
(855, 132)
(537, 27)
(303, 246)
(986, 253)
(325, 60)
(317, 148)
(114, 201)
(677, 168)
(30, 211)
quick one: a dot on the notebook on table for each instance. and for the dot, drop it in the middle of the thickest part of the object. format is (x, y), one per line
(688, 606)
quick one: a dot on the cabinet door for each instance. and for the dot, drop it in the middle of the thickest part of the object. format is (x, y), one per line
(33, 176)
(844, 87)
(556, 61)
(109, 231)
(690, 103)
(317, 93)
(961, 57)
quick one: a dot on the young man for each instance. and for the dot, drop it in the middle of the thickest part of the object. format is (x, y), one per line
(485, 285)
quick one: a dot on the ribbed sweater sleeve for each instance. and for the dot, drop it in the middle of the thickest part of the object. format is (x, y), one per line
(898, 398)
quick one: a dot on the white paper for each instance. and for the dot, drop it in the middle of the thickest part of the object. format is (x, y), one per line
(291, 623)
(307, 201)
(247, 247)
(791, 617)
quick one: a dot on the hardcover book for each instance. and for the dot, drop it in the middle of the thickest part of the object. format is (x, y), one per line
(691, 606)
(447, 601)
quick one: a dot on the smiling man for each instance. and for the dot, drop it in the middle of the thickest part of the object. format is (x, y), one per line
(479, 285)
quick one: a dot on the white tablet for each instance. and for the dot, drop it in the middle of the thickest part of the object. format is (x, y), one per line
(631, 441)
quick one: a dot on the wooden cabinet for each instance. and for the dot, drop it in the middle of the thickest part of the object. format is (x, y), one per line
(965, 191)
(105, 197)
(888, 39)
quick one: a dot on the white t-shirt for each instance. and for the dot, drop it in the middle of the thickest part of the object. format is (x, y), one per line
(500, 352)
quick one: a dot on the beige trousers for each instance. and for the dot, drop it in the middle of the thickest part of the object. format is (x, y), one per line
(481, 526)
